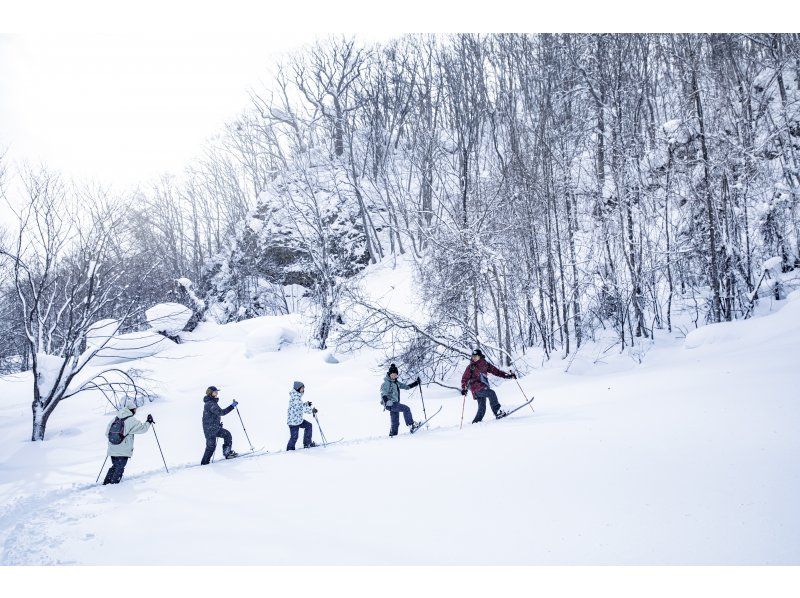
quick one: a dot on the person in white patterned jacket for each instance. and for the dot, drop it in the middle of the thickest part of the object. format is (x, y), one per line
(297, 408)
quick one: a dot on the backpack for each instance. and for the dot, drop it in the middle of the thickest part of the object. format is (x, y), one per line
(116, 433)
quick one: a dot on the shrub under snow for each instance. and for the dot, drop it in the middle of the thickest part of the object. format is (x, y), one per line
(169, 318)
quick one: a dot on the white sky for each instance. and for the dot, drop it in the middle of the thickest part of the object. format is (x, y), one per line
(122, 109)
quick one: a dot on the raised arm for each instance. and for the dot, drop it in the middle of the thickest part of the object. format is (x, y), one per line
(137, 427)
(497, 372)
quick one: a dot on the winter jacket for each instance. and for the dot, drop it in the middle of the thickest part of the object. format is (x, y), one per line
(476, 377)
(212, 415)
(132, 426)
(390, 391)
(297, 407)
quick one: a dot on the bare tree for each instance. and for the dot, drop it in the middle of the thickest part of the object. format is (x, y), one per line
(66, 277)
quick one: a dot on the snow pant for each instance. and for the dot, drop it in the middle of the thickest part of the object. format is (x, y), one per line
(481, 397)
(114, 474)
(294, 431)
(211, 444)
(394, 412)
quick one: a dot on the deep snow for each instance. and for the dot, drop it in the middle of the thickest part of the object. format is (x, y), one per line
(687, 458)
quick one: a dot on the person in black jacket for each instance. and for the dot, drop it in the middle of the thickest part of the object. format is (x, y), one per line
(212, 426)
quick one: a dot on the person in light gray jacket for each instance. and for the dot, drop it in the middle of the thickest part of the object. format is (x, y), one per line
(120, 453)
(298, 407)
(390, 399)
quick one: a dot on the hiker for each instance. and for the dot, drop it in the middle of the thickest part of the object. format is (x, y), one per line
(476, 378)
(297, 407)
(390, 399)
(212, 426)
(120, 434)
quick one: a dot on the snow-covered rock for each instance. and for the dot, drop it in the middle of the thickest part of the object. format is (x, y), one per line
(128, 347)
(271, 335)
(101, 331)
(169, 318)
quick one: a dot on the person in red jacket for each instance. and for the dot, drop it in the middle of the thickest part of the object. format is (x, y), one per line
(476, 379)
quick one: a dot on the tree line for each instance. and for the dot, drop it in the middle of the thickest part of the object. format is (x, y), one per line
(545, 187)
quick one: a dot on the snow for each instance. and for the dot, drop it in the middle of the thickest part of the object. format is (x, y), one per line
(169, 318)
(101, 332)
(271, 333)
(255, 225)
(772, 263)
(130, 346)
(686, 458)
(48, 367)
(756, 331)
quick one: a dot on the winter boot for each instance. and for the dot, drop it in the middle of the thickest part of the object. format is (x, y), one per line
(415, 426)
(312, 444)
(231, 455)
(500, 414)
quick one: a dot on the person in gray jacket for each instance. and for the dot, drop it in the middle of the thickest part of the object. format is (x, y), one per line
(120, 453)
(390, 399)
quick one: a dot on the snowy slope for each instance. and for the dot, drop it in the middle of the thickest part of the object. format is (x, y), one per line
(688, 458)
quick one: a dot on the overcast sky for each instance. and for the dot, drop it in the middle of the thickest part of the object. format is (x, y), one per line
(122, 109)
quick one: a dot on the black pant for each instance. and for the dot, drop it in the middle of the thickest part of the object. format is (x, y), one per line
(481, 397)
(211, 444)
(394, 412)
(294, 431)
(114, 474)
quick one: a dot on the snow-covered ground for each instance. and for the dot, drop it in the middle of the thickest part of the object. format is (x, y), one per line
(687, 458)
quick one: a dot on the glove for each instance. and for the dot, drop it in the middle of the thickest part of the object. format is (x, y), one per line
(512, 375)
(314, 411)
(235, 402)
(414, 383)
(150, 419)
(308, 403)
(463, 392)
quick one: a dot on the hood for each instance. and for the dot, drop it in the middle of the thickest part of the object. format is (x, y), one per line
(124, 412)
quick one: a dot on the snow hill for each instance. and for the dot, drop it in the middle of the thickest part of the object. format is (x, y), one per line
(687, 458)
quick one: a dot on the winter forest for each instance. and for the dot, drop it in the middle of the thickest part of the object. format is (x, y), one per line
(605, 227)
(545, 186)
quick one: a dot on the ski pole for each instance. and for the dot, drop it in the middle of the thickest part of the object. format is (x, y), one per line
(321, 433)
(153, 425)
(423, 402)
(463, 404)
(524, 396)
(245, 429)
(101, 469)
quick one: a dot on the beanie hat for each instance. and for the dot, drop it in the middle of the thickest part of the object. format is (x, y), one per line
(298, 385)
(393, 369)
(477, 352)
(211, 389)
